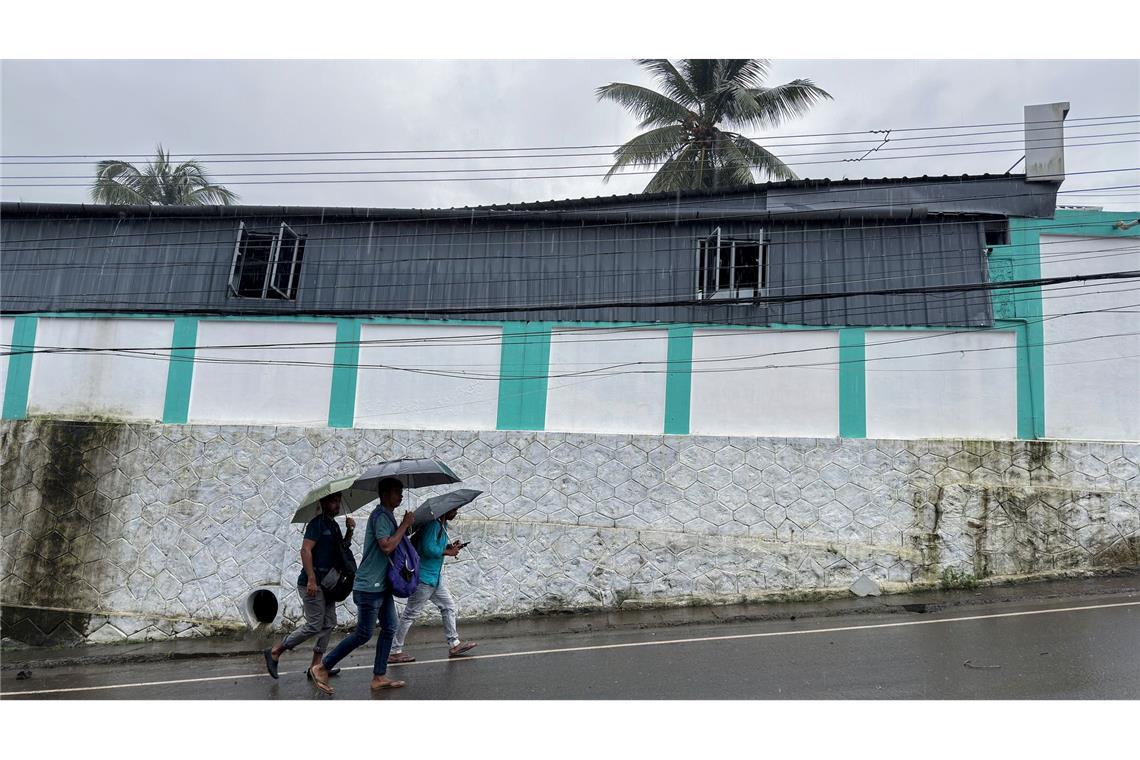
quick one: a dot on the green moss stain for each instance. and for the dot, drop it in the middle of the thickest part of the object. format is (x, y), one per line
(49, 477)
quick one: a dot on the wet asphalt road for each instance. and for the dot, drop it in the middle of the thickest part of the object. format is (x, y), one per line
(1064, 653)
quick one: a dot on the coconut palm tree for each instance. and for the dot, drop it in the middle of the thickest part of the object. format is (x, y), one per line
(686, 138)
(160, 182)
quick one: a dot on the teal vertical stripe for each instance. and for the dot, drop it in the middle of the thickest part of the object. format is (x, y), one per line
(853, 382)
(180, 371)
(523, 366)
(679, 380)
(19, 368)
(1021, 260)
(346, 358)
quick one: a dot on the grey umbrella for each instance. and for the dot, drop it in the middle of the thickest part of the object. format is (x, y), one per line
(351, 498)
(437, 506)
(413, 473)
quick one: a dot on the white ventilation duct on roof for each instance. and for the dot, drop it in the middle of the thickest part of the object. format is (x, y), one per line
(1045, 142)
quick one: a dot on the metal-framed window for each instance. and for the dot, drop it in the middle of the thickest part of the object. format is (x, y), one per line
(267, 264)
(730, 268)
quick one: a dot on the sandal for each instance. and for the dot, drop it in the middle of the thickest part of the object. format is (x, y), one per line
(397, 658)
(461, 648)
(270, 663)
(332, 673)
(319, 683)
(389, 684)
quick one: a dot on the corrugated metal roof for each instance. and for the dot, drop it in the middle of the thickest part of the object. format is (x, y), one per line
(377, 213)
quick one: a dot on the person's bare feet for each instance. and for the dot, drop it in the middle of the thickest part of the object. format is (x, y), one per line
(383, 682)
(320, 678)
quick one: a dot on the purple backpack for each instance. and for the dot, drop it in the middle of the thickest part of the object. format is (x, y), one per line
(403, 569)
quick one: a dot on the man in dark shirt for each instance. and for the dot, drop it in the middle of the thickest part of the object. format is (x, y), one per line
(319, 551)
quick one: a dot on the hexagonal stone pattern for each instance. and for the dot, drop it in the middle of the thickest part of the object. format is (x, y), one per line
(163, 531)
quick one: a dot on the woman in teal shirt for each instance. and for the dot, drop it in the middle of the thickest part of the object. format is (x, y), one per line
(432, 545)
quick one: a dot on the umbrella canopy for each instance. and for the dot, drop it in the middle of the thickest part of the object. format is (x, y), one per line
(437, 506)
(413, 473)
(351, 498)
(357, 490)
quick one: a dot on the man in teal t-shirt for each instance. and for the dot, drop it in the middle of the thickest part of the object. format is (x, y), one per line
(371, 593)
(432, 545)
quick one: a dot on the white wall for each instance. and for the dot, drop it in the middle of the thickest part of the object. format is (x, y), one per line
(397, 399)
(84, 384)
(1092, 387)
(607, 402)
(6, 325)
(952, 390)
(769, 395)
(265, 393)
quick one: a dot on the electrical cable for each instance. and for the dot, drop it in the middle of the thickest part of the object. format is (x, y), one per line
(1052, 122)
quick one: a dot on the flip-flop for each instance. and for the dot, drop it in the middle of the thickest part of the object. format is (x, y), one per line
(319, 684)
(270, 663)
(400, 657)
(461, 648)
(390, 685)
(332, 673)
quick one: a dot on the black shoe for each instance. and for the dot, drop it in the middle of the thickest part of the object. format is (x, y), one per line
(270, 663)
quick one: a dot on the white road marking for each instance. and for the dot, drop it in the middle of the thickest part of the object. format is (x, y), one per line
(599, 647)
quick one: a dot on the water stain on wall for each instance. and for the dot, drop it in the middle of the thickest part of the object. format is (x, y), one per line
(56, 524)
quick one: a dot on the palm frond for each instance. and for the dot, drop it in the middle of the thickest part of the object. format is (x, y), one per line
(775, 105)
(117, 183)
(678, 173)
(701, 76)
(211, 195)
(735, 168)
(671, 80)
(747, 72)
(698, 96)
(759, 157)
(648, 149)
(159, 182)
(653, 108)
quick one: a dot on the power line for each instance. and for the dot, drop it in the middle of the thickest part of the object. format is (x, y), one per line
(1068, 122)
(798, 284)
(820, 296)
(618, 290)
(607, 369)
(1060, 144)
(565, 176)
(645, 332)
(498, 339)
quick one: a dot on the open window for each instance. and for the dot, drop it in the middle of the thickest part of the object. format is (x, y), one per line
(267, 264)
(730, 268)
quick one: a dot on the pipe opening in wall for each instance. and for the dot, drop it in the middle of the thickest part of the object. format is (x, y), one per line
(261, 607)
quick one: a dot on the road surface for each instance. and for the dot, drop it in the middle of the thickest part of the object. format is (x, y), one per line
(1067, 649)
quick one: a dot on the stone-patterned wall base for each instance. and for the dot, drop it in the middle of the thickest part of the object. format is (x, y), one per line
(54, 627)
(126, 521)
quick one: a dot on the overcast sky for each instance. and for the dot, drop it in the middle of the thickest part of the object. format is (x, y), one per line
(114, 108)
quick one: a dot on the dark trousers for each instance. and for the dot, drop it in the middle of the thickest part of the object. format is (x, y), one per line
(371, 608)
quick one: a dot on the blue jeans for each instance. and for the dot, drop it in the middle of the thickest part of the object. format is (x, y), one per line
(371, 607)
